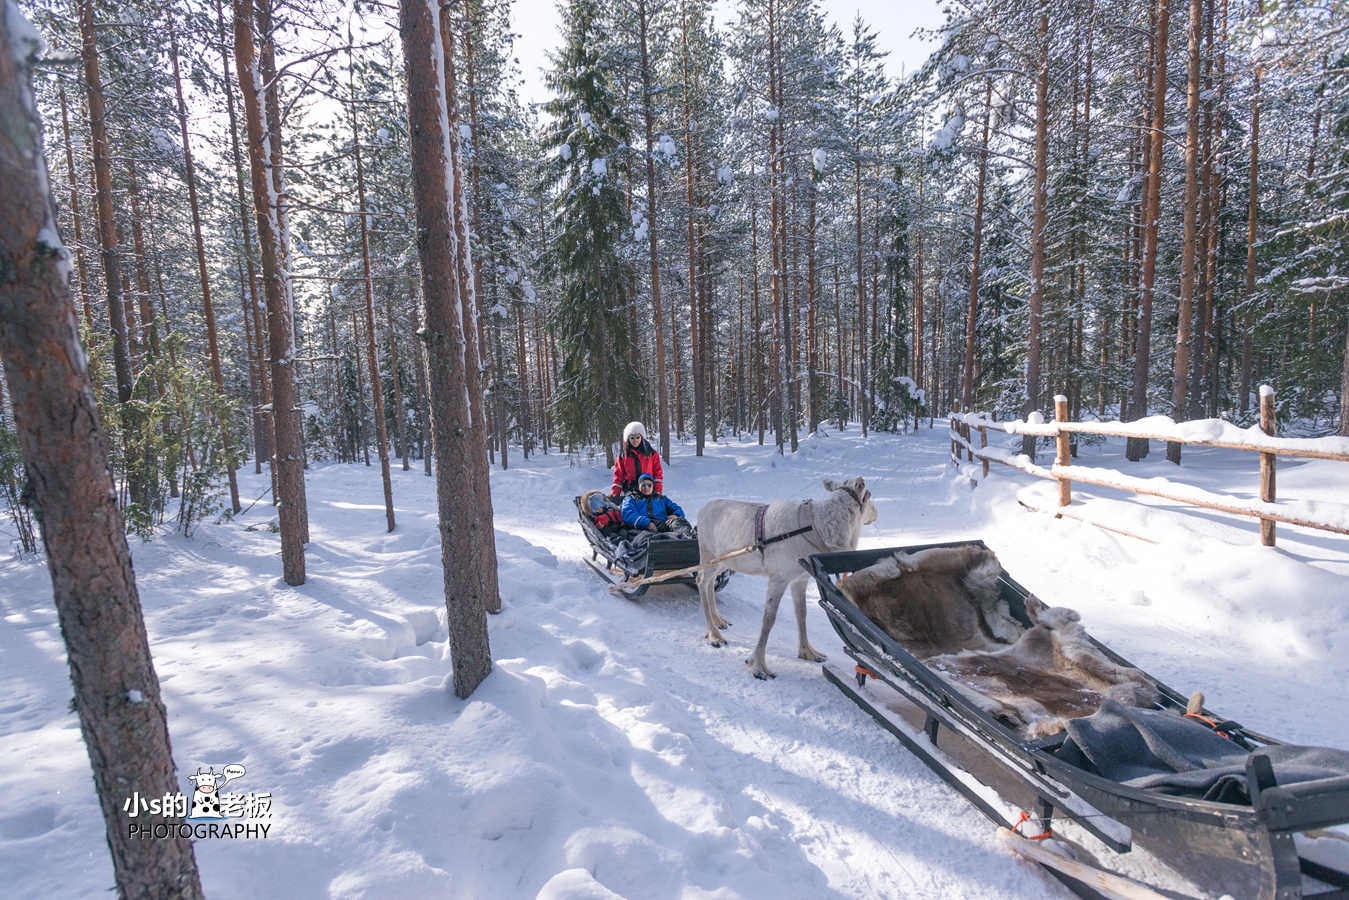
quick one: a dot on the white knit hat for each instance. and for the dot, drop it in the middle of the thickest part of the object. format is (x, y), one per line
(634, 428)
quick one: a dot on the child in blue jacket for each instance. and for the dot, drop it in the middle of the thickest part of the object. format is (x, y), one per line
(651, 511)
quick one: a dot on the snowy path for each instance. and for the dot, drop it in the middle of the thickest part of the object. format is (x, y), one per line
(613, 752)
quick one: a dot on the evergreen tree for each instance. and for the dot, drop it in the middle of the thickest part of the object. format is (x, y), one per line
(599, 388)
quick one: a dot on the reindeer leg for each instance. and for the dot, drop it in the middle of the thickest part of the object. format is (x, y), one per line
(803, 648)
(714, 617)
(707, 592)
(716, 613)
(756, 662)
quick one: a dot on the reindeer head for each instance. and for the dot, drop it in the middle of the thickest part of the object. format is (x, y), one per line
(857, 489)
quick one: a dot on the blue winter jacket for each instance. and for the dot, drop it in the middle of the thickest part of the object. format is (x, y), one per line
(639, 511)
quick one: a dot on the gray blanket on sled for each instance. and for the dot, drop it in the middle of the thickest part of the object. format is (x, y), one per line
(1168, 753)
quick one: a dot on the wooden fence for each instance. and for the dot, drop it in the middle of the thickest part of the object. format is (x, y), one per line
(1309, 514)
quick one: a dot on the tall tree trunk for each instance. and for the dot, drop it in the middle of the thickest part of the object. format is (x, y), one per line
(1191, 234)
(361, 440)
(129, 312)
(1213, 360)
(1137, 448)
(271, 98)
(777, 238)
(522, 373)
(760, 392)
(1199, 344)
(1040, 203)
(288, 457)
(499, 384)
(80, 265)
(470, 260)
(254, 395)
(657, 311)
(346, 451)
(149, 338)
(459, 452)
(972, 316)
(812, 297)
(862, 386)
(262, 444)
(371, 355)
(1252, 226)
(400, 432)
(65, 452)
(838, 344)
(788, 337)
(695, 344)
(484, 567)
(1344, 393)
(709, 345)
(107, 223)
(776, 387)
(212, 343)
(423, 412)
(121, 318)
(1087, 83)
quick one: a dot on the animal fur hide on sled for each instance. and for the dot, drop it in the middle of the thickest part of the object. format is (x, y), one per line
(944, 607)
(942, 600)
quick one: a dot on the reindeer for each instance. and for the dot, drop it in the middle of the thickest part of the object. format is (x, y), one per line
(781, 532)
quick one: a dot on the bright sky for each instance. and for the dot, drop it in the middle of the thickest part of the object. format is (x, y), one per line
(893, 21)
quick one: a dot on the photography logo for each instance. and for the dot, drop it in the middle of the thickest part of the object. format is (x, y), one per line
(210, 811)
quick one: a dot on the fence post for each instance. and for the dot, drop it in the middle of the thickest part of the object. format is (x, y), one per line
(1065, 451)
(955, 460)
(1267, 462)
(983, 445)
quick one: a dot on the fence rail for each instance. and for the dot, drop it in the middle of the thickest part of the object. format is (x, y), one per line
(1333, 517)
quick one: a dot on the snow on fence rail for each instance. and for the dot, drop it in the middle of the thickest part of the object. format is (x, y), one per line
(1205, 432)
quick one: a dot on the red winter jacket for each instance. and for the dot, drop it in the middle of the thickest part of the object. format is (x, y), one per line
(610, 518)
(631, 464)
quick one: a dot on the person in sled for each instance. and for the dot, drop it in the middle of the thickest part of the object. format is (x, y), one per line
(638, 456)
(607, 518)
(650, 510)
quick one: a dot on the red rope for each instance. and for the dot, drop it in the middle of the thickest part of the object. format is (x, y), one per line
(1211, 723)
(861, 670)
(1025, 816)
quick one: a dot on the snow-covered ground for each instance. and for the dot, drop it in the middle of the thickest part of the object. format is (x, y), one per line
(612, 752)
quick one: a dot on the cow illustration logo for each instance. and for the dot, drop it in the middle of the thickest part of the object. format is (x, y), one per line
(206, 790)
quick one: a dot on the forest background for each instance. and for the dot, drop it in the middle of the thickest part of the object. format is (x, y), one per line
(744, 228)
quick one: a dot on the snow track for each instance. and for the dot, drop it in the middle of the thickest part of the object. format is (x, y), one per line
(612, 752)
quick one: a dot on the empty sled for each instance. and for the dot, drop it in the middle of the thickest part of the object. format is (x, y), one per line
(1255, 837)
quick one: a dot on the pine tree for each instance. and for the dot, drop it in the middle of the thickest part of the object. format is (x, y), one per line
(599, 388)
(459, 454)
(264, 156)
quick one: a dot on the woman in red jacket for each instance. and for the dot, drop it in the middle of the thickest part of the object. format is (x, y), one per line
(638, 456)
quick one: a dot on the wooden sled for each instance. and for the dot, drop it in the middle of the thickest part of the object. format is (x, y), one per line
(1247, 852)
(661, 556)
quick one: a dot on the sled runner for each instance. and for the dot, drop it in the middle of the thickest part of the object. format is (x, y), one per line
(628, 560)
(1242, 846)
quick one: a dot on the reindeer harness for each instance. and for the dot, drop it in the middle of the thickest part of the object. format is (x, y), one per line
(761, 542)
